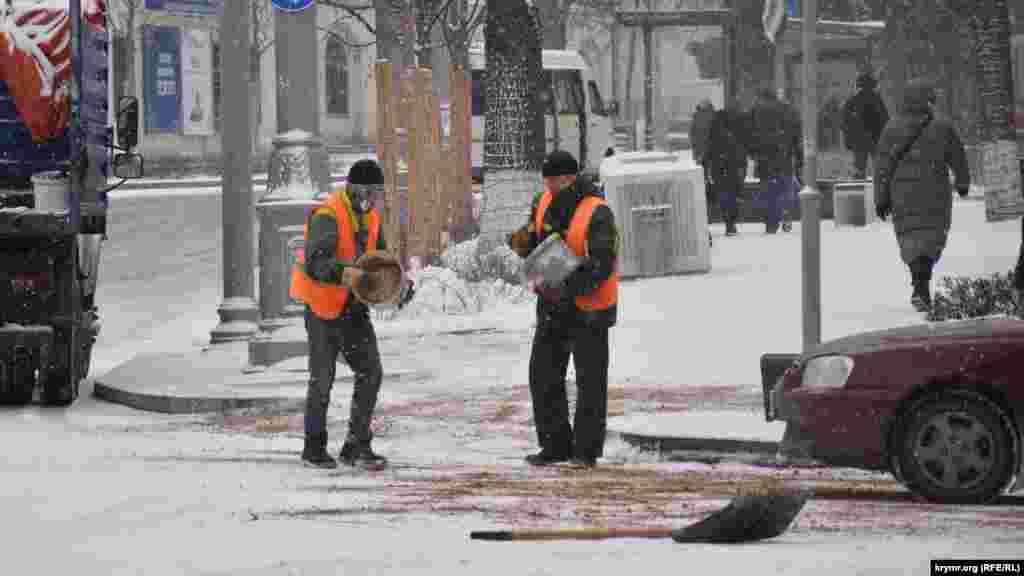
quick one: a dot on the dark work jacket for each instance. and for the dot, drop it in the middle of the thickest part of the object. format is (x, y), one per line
(602, 246)
(322, 263)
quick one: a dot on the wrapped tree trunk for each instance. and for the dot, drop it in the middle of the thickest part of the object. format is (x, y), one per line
(1000, 174)
(513, 126)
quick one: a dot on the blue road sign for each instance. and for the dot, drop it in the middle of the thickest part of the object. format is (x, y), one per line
(292, 5)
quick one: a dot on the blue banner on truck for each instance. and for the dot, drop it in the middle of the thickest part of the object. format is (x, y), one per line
(21, 156)
(162, 96)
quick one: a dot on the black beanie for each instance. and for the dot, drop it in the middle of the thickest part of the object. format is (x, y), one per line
(560, 163)
(365, 172)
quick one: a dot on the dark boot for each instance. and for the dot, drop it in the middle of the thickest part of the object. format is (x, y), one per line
(544, 458)
(920, 277)
(314, 453)
(355, 453)
(730, 227)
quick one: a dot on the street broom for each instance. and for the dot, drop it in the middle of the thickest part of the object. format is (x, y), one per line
(747, 518)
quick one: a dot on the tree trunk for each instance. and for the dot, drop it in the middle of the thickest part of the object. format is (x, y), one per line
(990, 31)
(514, 125)
(990, 27)
(553, 18)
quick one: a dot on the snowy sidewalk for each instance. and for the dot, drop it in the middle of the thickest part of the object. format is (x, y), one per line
(685, 353)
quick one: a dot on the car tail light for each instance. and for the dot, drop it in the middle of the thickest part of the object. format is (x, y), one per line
(29, 282)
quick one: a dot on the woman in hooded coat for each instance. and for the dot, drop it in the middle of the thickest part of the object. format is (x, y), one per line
(915, 154)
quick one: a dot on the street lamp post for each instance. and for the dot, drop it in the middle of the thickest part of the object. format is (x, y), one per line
(238, 312)
(810, 198)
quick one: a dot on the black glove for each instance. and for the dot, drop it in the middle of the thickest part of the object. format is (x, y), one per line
(963, 192)
(883, 211)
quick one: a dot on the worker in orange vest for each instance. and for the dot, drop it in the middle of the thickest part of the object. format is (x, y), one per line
(338, 232)
(573, 318)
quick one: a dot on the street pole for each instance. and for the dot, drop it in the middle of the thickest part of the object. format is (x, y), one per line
(810, 198)
(648, 88)
(238, 312)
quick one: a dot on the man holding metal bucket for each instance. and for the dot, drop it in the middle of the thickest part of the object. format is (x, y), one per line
(575, 310)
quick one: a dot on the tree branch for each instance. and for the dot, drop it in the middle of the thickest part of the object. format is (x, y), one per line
(353, 11)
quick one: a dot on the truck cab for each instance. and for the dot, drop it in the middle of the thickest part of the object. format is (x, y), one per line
(576, 118)
(57, 151)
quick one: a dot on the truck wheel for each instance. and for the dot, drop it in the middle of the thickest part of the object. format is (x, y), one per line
(956, 447)
(20, 385)
(59, 390)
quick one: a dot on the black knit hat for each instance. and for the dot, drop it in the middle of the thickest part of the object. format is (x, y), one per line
(560, 163)
(365, 172)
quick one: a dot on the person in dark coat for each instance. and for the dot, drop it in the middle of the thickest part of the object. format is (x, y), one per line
(864, 117)
(700, 130)
(573, 318)
(726, 165)
(776, 144)
(915, 154)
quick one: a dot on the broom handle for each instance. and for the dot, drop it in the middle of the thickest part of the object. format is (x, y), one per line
(571, 534)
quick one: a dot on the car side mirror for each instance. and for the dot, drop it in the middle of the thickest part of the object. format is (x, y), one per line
(128, 123)
(128, 166)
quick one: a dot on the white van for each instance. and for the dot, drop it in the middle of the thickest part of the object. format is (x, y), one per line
(584, 125)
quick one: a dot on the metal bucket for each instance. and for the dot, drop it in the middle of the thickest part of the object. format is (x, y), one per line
(51, 191)
(550, 263)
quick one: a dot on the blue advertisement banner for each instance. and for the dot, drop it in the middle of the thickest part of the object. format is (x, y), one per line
(162, 72)
(187, 7)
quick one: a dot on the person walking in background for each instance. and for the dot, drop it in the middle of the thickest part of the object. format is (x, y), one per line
(776, 146)
(864, 117)
(726, 165)
(915, 153)
(573, 318)
(700, 130)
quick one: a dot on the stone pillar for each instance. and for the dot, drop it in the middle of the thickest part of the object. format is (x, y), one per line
(238, 312)
(297, 55)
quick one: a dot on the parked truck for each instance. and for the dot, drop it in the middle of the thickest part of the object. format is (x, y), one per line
(58, 155)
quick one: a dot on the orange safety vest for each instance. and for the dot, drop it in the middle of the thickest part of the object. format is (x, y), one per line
(328, 300)
(607, 294)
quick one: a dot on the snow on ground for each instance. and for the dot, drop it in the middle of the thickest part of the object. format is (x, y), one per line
(106, 490)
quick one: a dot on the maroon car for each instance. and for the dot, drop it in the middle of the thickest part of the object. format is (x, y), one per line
(940, 405)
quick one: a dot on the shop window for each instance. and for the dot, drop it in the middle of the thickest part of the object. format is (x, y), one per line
(336, 81)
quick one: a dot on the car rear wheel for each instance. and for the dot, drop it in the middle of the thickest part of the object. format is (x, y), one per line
(956, 447)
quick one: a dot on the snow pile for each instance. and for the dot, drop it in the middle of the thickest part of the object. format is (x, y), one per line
(470, 262)
(444, 291)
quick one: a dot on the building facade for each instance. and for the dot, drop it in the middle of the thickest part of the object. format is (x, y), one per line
(176, 75)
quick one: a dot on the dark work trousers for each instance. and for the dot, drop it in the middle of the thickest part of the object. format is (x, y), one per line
(553, 342)
(352, 335)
